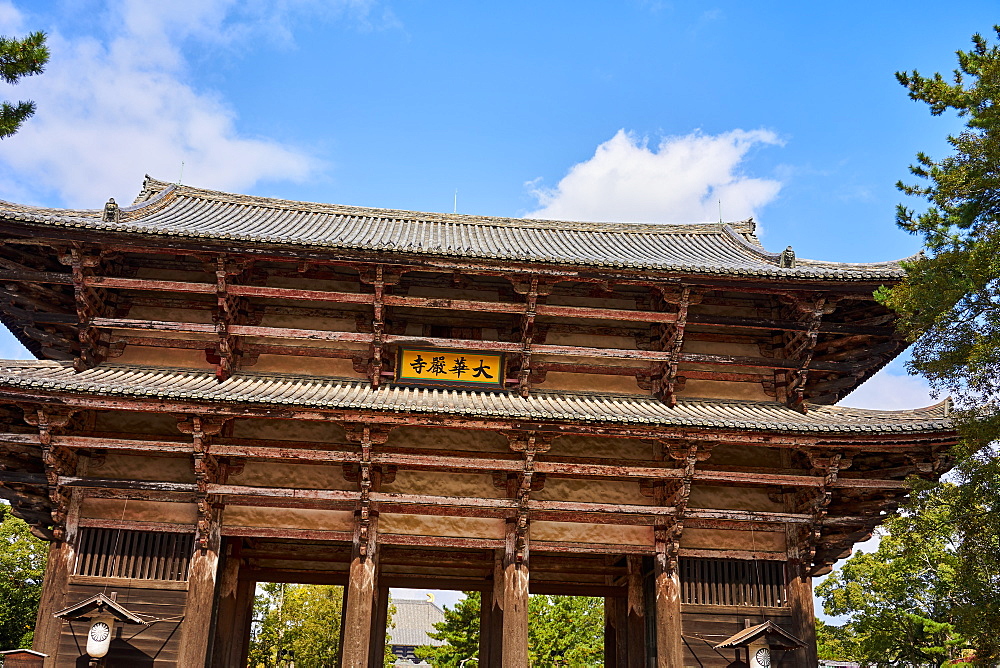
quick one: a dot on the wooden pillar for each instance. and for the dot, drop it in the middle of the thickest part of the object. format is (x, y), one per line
(515, 601)
(233, 611)
(380, 617)
(196, 629)
(343, 620)
(245, 591)
(485, 627)
(610, 632)
(800, 600)
(495, 657)
(669, 641)
(635, 615)
(59, 566)
(621, 629)
(47, 627)
(362, 587)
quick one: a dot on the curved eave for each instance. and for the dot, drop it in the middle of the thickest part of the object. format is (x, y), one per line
(295, 392)
(200, 216)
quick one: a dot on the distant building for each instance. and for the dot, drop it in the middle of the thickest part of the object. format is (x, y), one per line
(413, 621)
(828, 663)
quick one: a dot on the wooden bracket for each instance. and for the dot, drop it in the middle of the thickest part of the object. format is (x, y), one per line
(207, 470)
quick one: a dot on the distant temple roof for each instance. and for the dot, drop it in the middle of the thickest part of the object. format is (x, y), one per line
(412, 621)
(269, 389)
(164, 209)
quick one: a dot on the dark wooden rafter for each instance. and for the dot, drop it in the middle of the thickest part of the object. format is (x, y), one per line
(671, 339)
(58, 461)
(817, 502)
(687, 454)
(369, 478)
(529, 445)
(531, 296)
(230, 310)
(208, 470)
(90, 304)
(799, 347)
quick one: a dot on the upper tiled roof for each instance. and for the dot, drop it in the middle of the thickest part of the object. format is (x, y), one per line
(259, 389)
(710, 248)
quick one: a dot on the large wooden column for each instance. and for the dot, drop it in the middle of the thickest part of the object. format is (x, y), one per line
(635, 614)
(233, 610)
(362, 588)
(800, 600)
(196, 629)
(380, 617)
(66, 517)
(669, 642)
(515, 599)
(495, 657)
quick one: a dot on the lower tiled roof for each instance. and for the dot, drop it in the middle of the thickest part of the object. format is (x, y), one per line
(271, 389)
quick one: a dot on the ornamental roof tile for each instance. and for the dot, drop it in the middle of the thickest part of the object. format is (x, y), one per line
(259, 389)
(171, 210)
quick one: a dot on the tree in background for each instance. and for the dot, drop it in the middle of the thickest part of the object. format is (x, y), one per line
(22, 565)
(949, 303)
(20, 58)
(901, 599)
(298, 621)
(562, 631)
(838, 643)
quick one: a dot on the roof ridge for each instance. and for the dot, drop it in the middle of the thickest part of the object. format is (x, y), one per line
(154, 187)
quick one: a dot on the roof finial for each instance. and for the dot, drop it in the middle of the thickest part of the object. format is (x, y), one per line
(112, 214)
(787, 258)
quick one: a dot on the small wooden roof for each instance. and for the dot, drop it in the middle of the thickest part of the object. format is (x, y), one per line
(14, 652)
(777, 637)
(98, 603)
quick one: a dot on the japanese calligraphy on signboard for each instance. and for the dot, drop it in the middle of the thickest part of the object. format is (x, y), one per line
(468, 368)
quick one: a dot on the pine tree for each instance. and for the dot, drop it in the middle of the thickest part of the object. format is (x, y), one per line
(20, 58)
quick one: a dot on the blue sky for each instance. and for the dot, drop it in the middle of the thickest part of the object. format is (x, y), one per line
(636, 110)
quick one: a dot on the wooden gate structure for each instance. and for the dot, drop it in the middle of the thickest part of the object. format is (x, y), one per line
(233, 389)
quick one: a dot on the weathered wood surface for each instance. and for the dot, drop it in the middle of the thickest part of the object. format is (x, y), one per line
(197, 630)
(669, 622)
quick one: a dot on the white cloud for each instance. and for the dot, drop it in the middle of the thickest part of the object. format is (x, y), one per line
(890, 391)
(681, 180)
(115, 106)
(11, 19)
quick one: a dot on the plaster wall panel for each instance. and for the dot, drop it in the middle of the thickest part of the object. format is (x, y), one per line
(143, 467)
(466, 440)
(745, 455)
(307, 366)
(444, 484)
(592, 491)
(298, 476)
(578, 532)
(590, 340)
(319, 433)
(733, 498)
(426, 525)
(140, 511)
(733, 539)
(288, 518)
(721, 389)
(164, 357)
(300, 283)
(590, 382)
(139, 423)
(596, 446)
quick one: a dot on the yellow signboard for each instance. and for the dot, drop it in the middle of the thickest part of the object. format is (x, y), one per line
(450, 367)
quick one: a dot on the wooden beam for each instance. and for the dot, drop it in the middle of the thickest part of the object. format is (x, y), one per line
(196, 628)
(515, 607)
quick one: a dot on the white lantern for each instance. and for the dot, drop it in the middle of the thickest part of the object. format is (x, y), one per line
(99, 636)
(760, 657)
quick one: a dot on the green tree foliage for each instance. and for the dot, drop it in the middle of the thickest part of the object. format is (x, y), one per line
(22, 565)
(901, 599)
(301, 619)
(562, 631)
(836, 642)
(949, 303)
(459, 631)
(20, 58)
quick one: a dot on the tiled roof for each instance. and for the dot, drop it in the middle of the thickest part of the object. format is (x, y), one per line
(412, 621)
(711, 248)
(260, 389)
